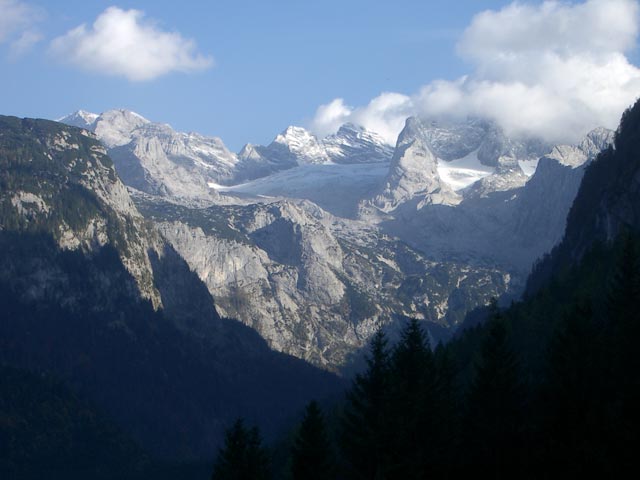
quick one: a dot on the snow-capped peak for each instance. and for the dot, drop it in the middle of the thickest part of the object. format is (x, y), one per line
(302, 144)
(355, 144)
(296, 137)
(351, 144)
(79, 118)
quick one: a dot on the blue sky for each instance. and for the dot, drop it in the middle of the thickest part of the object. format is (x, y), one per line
(274, 62)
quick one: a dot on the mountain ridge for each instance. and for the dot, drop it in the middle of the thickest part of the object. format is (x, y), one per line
(452, 230)
(92, 293)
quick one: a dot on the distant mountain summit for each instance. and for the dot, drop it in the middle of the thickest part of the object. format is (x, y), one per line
(441, 163)
(154, 158)
(292, 238)
(80, 119)
(413, 172)
(296, 146)
(355, 144)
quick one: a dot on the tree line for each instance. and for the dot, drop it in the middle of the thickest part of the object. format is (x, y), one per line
(481, 404)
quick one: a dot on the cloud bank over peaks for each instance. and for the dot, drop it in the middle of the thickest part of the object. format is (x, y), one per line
(553, 70)
(124, 43)
(384, 115)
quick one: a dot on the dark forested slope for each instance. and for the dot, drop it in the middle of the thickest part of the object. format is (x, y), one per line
(89, 292)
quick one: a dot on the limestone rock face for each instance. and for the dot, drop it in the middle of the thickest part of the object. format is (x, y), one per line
(314, 285)
(413, 172)
(505, 219)
(91, 292)
(65, 185)
(315, 243)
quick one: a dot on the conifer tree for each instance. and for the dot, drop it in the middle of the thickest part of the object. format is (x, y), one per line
(312, 458)
(445, 414)
(574, 424)
(622, 348)
(493, 423)
(624, 290)
(413, 403)
(243, 456)
(366, 419)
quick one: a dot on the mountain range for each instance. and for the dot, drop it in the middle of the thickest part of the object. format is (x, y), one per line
(171, 283)
(92, 294)
(316, 243)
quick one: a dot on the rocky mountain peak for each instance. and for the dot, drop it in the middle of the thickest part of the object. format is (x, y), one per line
(597, 140)
(413, 172)
(114, 128)
(154, 158)
(451, 140)
(413, 129)
(301, 144)
(80, 119)
(576, 155)
(348, 129)
(355, 144)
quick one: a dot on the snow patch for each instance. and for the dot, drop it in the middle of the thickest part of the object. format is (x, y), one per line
(461, 173)
(336, 188)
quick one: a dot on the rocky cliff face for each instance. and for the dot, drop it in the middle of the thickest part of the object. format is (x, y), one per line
(314, 285)
(433, 161)
(154, 158)
(607, 202)
(90, 291)
(540, 213)
(61, 182)
(505, 219)
(453, 196)
(413, 172)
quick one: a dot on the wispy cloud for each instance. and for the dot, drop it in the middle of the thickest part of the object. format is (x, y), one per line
(24, 43)
(124, 43)
(554, 70)
(18, 26)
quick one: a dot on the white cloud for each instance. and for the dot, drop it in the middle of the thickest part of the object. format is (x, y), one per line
(329, 117)
(554, 70)
(385, 115)
(24, 43)
(123, 43)
(18, 26)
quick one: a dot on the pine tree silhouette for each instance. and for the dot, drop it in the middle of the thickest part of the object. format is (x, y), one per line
(445, 414)
(493, 424)
(242, 457)
(366, 419)
(413, 403)
(622, 349)
(312, 457)
(573, 399)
